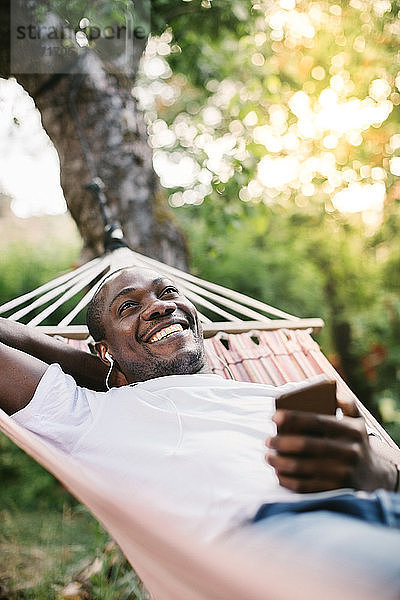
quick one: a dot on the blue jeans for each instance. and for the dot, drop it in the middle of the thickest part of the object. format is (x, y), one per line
(379, 507)
(353, 533)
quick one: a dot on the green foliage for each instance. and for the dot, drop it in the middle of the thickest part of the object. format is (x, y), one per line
(248, 248)
(189, 18)
(308, 264)
(27, 265)
(305, 95)
(25, 484)
(101, 12)
(290, 121)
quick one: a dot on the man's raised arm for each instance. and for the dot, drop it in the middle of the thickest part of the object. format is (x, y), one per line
(20, 375)
(33, 351)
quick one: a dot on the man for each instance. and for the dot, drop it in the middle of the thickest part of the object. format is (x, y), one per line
(195, 439)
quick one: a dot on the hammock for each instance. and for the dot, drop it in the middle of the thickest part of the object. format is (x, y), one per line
(238, 312)
(258, 343)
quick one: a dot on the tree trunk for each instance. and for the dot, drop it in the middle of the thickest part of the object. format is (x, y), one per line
(100, 107)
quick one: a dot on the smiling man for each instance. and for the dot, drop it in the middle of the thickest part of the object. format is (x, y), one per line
(197, 441)
(146, 326)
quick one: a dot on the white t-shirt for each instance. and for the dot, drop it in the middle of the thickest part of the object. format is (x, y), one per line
(194, 442)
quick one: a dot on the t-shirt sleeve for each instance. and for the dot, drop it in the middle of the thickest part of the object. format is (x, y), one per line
(59, 411)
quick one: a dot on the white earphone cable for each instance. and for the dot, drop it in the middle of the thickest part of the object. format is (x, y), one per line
(109, 370)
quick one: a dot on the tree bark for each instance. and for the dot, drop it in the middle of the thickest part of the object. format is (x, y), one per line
(108, 118)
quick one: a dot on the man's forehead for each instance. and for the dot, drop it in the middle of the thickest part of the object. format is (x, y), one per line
(136, 277)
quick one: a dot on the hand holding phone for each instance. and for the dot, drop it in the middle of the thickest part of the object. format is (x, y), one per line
(317, 395)
(312, 450)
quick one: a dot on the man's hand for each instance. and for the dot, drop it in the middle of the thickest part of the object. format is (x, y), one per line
(313, 453)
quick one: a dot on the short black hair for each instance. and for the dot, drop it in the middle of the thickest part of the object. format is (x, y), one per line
(94, 316)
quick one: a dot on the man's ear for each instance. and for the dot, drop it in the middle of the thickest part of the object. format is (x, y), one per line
(117, 378)
(101, 350)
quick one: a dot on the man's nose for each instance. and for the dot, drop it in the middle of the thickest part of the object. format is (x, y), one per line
(158, 308)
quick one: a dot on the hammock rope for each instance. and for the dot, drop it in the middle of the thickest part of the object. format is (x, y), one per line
(239, 312)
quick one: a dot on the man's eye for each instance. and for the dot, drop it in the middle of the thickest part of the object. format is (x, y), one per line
(170, 290)
(125, 305)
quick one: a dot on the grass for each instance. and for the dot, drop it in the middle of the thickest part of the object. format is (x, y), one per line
(42, 551)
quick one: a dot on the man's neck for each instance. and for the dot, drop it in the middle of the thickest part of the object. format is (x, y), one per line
(202, 368)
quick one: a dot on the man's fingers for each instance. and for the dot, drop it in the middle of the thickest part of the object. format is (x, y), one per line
(307, 485)
(313, 452)
(349, 451)
(292, 422)
(292, 466)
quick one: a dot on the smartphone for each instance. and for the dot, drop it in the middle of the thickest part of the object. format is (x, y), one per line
(318, 396)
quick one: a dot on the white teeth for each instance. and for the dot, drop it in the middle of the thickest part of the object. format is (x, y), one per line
(175, 328)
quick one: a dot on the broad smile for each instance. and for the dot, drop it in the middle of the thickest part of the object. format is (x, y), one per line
(162, 332)
(166, 332)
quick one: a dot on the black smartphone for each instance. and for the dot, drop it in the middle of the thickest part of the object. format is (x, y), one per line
(313, 396)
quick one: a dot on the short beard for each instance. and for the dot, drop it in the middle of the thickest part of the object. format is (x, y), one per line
(187, 364)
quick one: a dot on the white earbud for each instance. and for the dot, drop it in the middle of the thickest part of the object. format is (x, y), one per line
(110, 359)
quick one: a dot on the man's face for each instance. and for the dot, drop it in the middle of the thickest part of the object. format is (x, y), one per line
(151, 329)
